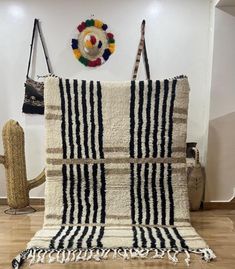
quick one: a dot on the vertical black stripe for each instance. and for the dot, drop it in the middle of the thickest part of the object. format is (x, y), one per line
(92, 119)
(182, 241)
(154, 193)
(148, 119)
(91, 237)
(170, 193)
(160, 237)
(139, 150)
(162, 193)
(156, 115)
(171, 110)
(71, 147)
(163, 125)
(70, 123)
(63, 132)
(87, 192)
(52, 243)
(79, 192)
(86, 170)
(162, 151)
(143, 239)
(101, 152)
(71, 240)
(146, 193)
(77, 113)
(138, 190)
(93, 149)
(169, 166)
(171, 239)
(101, 234)
(140, 118)
(132, 154)
(80, 240)
(84, 108)
(72, 180)
(100, 119)
(102, 167)
(132, 193)
(103, 191)
(63, 136)
(95, 196)
(65, 202)
(135, 237)
(146, 168)
(62, 240)
(155, 151)
(79, 151)
(132, 120)
(151, 237)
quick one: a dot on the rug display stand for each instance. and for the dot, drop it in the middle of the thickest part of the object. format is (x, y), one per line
(18, 186)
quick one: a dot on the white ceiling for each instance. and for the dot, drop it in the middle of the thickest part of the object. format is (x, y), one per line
(227, 6)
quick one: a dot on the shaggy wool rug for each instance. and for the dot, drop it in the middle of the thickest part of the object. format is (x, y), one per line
(115, 173)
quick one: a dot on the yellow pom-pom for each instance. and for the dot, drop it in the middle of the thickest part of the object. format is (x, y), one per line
(98, 24)
(88, 44)
(77, 53)
(112, 48)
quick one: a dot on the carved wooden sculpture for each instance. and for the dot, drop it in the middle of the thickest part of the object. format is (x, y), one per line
(18, 186)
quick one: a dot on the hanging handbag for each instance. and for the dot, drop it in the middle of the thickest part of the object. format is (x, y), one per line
(34, 90)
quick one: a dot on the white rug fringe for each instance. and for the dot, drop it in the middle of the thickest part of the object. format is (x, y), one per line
(38, 255)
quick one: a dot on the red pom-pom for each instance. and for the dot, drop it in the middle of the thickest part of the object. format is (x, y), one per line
(110, 35)
(91, 63)
(81, 27)
(94, 63)
(93, 39)
(98, 61)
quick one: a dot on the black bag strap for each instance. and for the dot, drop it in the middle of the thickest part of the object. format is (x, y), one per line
(36, 26)
(141, 47)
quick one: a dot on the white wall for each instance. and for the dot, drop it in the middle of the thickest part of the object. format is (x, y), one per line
(222, 87)
(221, 144)
(178, 38)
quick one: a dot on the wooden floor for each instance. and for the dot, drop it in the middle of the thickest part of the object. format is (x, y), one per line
(215, 226)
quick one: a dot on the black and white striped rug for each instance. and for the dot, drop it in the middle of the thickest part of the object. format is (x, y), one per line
(115, 173)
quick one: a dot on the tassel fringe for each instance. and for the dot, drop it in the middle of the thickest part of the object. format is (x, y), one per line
(40, 255)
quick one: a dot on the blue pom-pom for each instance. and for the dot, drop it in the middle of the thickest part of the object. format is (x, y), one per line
(74, 43)
(106, 54)
(74, 46)
(99, 44)
(104, 27)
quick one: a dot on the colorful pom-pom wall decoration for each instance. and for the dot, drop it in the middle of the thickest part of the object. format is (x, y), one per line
(94, 44)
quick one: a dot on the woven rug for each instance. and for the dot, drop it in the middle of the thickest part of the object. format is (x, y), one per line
(115, 173)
